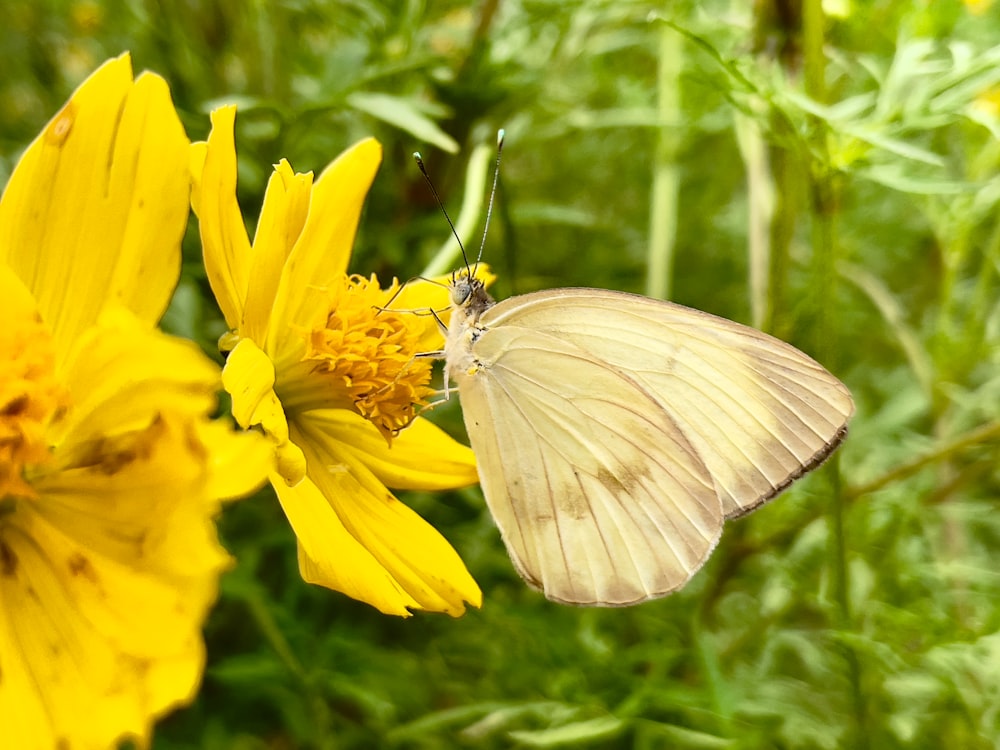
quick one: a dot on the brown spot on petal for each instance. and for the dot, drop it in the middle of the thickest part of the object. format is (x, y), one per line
(113, 462)
(112, 455)
(59, 129)
(81, 566)
(8, 560)
(15, 407)
(193, 443)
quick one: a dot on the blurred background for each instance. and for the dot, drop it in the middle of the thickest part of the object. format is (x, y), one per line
(825, 171)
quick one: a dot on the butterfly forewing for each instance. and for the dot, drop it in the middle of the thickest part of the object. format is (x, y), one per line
(759, 412)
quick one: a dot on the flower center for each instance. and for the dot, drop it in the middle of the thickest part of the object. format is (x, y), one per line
(367, 354)
(30, 397)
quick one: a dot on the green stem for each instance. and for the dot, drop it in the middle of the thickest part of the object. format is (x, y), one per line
(272, 633)
(824, 243)
(981, 435)
(666, 176)
(760, 200)
(267, 41)
(261, 614)
(789, 189)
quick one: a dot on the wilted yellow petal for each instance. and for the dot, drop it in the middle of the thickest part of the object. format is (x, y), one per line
(249, 378)
(95, 210)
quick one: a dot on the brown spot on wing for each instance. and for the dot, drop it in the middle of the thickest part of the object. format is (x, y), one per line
(613, 484)
(573, 504)
(624, 480)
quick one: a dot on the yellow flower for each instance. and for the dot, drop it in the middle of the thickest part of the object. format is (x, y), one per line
(330, 378)
(110, 471)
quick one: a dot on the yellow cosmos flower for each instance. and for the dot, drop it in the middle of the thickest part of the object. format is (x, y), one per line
(110, 472)
(330, 377)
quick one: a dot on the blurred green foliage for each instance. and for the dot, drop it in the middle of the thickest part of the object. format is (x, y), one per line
(833, 179)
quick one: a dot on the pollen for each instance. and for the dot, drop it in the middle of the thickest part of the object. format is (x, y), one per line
(367, 354)
(30, 397)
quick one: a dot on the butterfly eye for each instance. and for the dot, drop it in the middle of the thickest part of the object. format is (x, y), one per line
(461, 290)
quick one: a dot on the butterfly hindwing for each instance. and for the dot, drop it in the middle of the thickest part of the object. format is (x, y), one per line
(600, 497)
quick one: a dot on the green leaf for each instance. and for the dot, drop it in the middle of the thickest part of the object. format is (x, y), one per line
(603, 727)
(404, 114)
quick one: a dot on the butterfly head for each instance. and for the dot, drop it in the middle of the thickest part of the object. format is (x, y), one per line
(468, 293)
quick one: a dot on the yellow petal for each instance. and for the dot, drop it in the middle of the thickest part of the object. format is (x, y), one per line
(31, 393)
(104, 586)
(106, 578)
(16, 297)
(286, 206)
(95, 210)
(413, 553)
(224, 240)
(196, 160)
(323, 249)
(238, 463)
(421, 457)
(329, 556)
(68, 683)
(249, 378)
(122, 375)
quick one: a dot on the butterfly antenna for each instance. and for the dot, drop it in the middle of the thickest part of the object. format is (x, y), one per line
(493, 192)
(437, 198)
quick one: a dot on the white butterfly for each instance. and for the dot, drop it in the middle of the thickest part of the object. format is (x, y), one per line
(616, 433)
